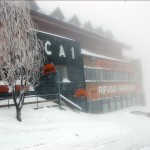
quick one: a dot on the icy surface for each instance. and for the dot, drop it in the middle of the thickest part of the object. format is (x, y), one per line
(54, 129)
(53, 34)
(2, 82)
(65, 80)
(85, 52)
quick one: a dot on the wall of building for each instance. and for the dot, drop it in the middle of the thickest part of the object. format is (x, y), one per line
(68, 63)
(89, 40)
(112, 84)
(106, 78)
(109, 64)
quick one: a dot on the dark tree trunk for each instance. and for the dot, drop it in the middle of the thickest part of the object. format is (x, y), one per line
(18, 104)
(18, 112)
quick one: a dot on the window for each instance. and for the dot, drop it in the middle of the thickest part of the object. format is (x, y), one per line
(97, 74)
(93, 72)
(85, 73)
(105, 105)
(111, 76)
(134, 101)
(112, 104)
(63, 73)
(129, 100)
(114, 75)
(107, 75)
(100, 75)
(122, 76)
(119, 76)
(104, 75)
(124, 102)
(118, 103)
(88, 73)
(126, 76)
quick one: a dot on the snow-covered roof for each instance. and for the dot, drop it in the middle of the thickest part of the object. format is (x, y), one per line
(43, 11)
(96, 68)
(33, 5)
(57, 13)
(87, 53)
(66, 20)
(74, 20)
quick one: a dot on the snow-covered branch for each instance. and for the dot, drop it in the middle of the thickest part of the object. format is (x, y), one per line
(20, 47)
(21, 55)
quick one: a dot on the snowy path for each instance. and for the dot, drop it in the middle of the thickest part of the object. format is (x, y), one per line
(52, 129)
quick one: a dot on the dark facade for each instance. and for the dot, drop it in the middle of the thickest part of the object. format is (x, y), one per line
(112, 83)
(66, 56)
(89, 40)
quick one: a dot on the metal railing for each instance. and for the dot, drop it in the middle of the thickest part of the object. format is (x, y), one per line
(70, 102)
(61, 99)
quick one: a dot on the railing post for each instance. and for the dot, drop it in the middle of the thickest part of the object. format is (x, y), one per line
(37, 101)
(70, 102)
(58, 83)
(8, 102)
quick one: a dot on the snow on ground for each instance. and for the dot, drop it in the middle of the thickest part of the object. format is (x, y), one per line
(54, 129)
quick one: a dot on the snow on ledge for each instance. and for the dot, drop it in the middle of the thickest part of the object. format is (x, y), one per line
(3, 83)
(100, 68)
(53, 34)
(85, 52)
(65, 80)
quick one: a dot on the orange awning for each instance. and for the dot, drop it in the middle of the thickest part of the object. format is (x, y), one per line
(49, 68)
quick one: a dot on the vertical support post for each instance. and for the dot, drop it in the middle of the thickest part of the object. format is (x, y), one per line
(37, 101)
(121, 101)
(58, 83)
(108, 101)
(115, 103)
(8, 102)
(87, 106)
(101, 107)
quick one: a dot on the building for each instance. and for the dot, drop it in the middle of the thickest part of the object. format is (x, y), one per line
(87, 58)
(65, 55)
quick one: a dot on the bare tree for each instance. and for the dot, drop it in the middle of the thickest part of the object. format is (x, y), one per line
(20, 49)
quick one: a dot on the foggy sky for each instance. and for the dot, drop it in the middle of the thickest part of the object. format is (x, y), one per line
(129, 22)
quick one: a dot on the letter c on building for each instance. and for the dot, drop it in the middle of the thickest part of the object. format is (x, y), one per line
(46, 51)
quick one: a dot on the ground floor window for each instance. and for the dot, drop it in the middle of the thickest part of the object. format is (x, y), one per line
(118, 103)
(63, 73)
(133, 99)
(129, 100)
(105, 105)
(124, 101)
(139, 99)
(112, 104)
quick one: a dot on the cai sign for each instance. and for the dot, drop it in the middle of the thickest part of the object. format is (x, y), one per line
(59, 48)
(61, 52)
